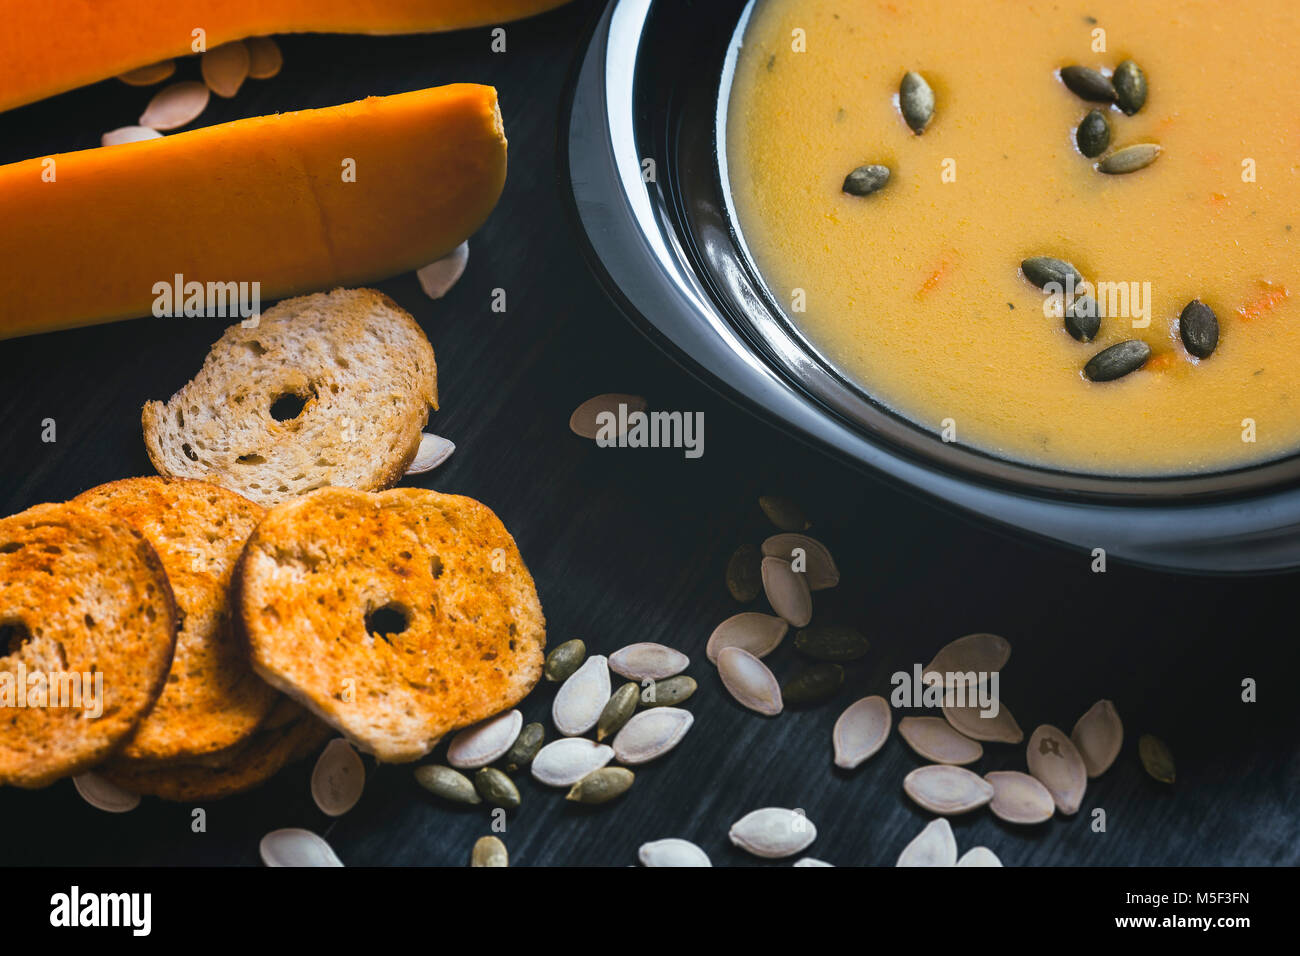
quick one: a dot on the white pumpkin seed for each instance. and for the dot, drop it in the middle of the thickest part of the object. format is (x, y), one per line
(434, 450)
(980, 653)
(787, 592)
(969, 719)
(1055, 761)
(583, 420)
(818, 565)
(979, 856)
(1019, 798)
(651, 734)
(935, 740)
(225, 68)
(175, 105)
(672, 852)
(947, 790)
(103, 794)
(1098, 736)
(264, 57)
(128, 134)
(811, 861)
(933, 846)
(582, 697)
(294, 847)
(773, 832)
(338, 779)
(437, 278)
(760, 634)
(489, 851)
(647, 661)
(480, 744)
(861, 731)
(749, 681)
(149, 75)
(564, 762)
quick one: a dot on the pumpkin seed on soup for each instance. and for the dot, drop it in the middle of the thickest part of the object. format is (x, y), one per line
(1130, 87)
(1040, 270)
(1117, 361)
(744, 573)
(1129, 159)
(1093, 135)
(1083, 319)
(1199, 329)
(1088, 84)
(863, 181)
(916, 101)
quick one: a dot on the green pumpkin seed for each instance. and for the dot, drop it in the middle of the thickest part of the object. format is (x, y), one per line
(916, 101)
(1199, 328)
(1129, 159)
(813, 684)
(496, 788)
(863, 181)
(832, 642)
(744, 573)
(784, 512)
(447, 783)
(489, 851)
(525, 747)
(1083, 319)
(564, 660)
(1156, 758)
(601, 786)
(1041, 270)
(1130, 87)
(1093, 135)
(1087, 84)
(1117, 361)
(668, 693)
(618, 710)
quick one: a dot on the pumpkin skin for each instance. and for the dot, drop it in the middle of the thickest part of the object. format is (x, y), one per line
(52, 46)
(266, 200)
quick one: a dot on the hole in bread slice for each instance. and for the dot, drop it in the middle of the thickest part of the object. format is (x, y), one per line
(387, 621)
(13, 635)
(288, 406)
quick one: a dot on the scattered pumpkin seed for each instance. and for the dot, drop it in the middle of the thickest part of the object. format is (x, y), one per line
(1130, 159)
(1093, 135)
(1040, 270)
(980, 653)
(863, 181)
(1088, 84)
(1083, 318)
(601, 786)
(525, 747)
(433, 451)
(618, 710)
(1057, 764)
(814, 684)
(744, 578)
(668, 693)
(482, 743)
(934, 739)
(1117, 361)
(175, 105)
(787, 592)
(832, 642)
(1130, 87)
(749, 681)
(861, 731)
(264, 57)
(294, 847)
(337, 779)
(818, 565)
(1019, 798)
(760, 634)
(1198, 327)
(647, 661)
(447, 783)
(1156, 758)
(672, 852)
(440, 276)
(916, 101)
(581, 698)
(651, 734)
(225, 68)
(564, 762)
(128, 134)
(969, 719)
(979, 856)
(103, 794)
(784, 512)
(773, 832)
(811, 861)
(564, 660)
(489, 851)
(149, 75)
(584, 421)
(933, 846)
(947, 790)
(1098, 736)
(496, 788)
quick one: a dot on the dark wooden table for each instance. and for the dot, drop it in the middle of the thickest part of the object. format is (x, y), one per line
(630, 545)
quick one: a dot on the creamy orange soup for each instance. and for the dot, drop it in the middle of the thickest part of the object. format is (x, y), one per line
(915, 291)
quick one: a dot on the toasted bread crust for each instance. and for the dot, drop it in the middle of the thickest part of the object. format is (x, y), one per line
(316, 567)
(212, 700)
(81, 592)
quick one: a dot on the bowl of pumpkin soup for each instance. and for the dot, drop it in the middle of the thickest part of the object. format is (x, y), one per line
(1036, 261)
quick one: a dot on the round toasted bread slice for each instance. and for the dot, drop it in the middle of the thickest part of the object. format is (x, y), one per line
(84, 604)
(265, 755)
(325, 389)
(212, 700)
(394, 616)
(281, 715)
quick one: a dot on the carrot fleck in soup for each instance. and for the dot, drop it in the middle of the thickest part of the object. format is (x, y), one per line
(1177, 202)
